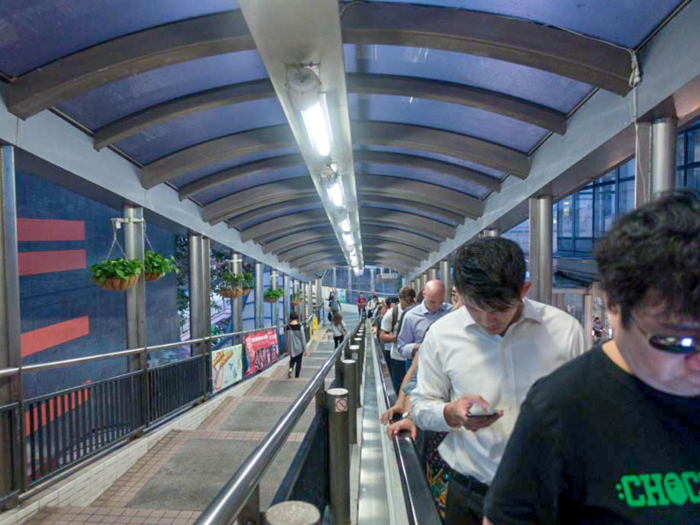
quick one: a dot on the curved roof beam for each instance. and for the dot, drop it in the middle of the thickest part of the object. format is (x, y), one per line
(129, 55)
(367, 248)
(429, 197)
(376, 157)
(378, 232)
(307, 220)
(369, 132)
(518, 41)
(442, 142)
(331, 262)
(401, 260)
(399, 86)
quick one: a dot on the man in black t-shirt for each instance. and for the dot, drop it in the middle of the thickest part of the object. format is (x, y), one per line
(614, 436)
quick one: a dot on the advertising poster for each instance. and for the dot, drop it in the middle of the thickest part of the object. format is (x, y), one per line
(342, 296)
(262, 349)
(226, 367)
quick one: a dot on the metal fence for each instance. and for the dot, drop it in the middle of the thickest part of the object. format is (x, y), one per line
(50, 434)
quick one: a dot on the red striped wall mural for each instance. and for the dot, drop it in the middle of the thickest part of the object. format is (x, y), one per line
(55, 334)
(32, 230)
(36, 263)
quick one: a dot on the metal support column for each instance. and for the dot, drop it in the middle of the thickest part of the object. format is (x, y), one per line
(350, 375)
(309, 300)
(663, 157)
(349, 283)
(275, 306)
(319, 299)
(197, 291)
(286, 299)
(12, 462)
(423, 280)
(588, 318)
(335, 278)
(433, 274)
(541, 248)
(259, 285)
(339, 454)
(446, 278)
(416, 284)
(136, 295)
(372, 280)
(237, 303)
(205, 254)
(494, 231)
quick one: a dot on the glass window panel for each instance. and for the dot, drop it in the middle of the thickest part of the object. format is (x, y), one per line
(608, 177)
(604, 209)
(626, 196)
(566, 217)
(555, 228)
(680, 150)
(584, 210)
(693, 179)
(627, 170)
(693, 146)
(680, 178)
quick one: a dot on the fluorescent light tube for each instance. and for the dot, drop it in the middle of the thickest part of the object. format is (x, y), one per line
(345, 225)
(335, 193)
(347, 237)
(316, 127)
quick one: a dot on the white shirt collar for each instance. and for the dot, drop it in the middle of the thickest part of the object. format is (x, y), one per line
(529, 312)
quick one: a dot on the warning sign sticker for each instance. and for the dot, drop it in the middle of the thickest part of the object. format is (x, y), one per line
(341, 405)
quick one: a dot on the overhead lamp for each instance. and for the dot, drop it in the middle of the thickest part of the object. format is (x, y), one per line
(335, 193)
(317, 128)
(349, 241)
(305, 92)
(345, 225)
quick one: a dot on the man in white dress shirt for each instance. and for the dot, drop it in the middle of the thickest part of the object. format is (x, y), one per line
(483, 359)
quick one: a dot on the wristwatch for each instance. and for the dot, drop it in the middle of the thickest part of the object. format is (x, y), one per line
(406, 415)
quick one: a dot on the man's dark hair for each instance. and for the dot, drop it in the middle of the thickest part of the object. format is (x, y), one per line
(654, 249)
(293, 316)
(407, 294)
(388, 301)
(490, 272)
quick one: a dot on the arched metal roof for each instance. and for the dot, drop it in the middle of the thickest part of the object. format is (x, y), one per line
(446, 100)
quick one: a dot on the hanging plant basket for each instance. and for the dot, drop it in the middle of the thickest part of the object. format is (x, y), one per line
(153, 276)
(273, 295)
(231, 293)
(157, 265)
(269, 300)
(116, 284)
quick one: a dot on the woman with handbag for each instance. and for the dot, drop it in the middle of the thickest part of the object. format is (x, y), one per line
(339, 329)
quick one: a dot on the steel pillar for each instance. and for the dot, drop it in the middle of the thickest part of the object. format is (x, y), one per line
(259, 287)
(349, 281)
(339, 454)
(12, 463)
(237, 303)
(205, 254)
(404, 282)
(335, 278)
(136, 295)
(588, 318)
(308, 301)
(198, 291)
(655, 166)
(319, 299)
(433, 274)
(541, 248)
(350, 383)
(275, 307)
(416, 285)
(446, 279)
(286, 298)
(423, 280)
(372, 280)
(494, 231)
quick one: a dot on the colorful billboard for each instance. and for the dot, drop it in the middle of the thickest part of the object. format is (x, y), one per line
(262, 350)
(226, 367)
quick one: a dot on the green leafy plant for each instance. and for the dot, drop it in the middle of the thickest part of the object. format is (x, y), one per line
(156, 263)
(296, 296)
(122, 269)
(238, 280)
(273, 294)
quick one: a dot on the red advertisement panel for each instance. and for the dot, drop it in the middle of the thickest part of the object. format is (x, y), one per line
(262, 349)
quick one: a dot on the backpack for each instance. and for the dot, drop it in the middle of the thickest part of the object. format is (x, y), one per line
(403, 314)
(394, 317)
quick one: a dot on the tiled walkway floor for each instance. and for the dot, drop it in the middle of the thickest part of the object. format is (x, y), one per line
(176, 479)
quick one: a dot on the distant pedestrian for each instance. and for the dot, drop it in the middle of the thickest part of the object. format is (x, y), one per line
(361, 304)
(339, 329)
(372, 304)
(294, 344)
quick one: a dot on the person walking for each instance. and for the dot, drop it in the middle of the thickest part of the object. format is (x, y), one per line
(294, 344)
(361, 304)
(372, 304)
(339, 329)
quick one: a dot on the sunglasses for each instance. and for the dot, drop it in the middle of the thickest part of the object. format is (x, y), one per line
(671, 343)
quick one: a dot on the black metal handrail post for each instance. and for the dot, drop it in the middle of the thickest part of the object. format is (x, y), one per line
(233, 497)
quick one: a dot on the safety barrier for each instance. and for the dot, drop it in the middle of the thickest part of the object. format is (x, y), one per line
(50, 434)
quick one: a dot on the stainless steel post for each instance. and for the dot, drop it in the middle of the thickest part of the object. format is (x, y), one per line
(423, 280)
(404, 281)
(309, 300)
(205, 254)
(319, 300)
(12, 458)
(237, 303)
(663, 156)
(275, 306)
(541, 248)
(197, 317)
(259, 286)
(339, 454)
(285, 299)
(349, 282)
(335, 278)
(433, 274)
(493, 231)
(372, 280)
(416, 284)
(136, 295)
(446, 278)
(588, 318)
(351, 384)
(293, 513)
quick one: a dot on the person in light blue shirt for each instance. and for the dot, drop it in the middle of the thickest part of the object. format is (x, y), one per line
(416, 321)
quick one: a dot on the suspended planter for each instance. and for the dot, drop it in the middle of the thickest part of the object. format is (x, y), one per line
(236, 285)
(116, 275)
(296, 299)
(272, 295)
(157, 265)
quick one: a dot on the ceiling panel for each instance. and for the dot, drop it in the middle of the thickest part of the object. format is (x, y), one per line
(474, 122)
(388, 205)
(392, 170)
(169, 137)
(519, 81)
(250, 181)
(36, 32)
(119, 99)
(278, 211)
(624, 22)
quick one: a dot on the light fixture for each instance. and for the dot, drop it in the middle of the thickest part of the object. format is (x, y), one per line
(349, 241)
(345, 225)
(317, 128)
(335, 193)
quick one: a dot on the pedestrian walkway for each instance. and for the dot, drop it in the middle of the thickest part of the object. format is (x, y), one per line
(176, 480)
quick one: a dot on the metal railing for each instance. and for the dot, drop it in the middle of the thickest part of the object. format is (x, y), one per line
(234, 497)
(420, 506)
(63, 428)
